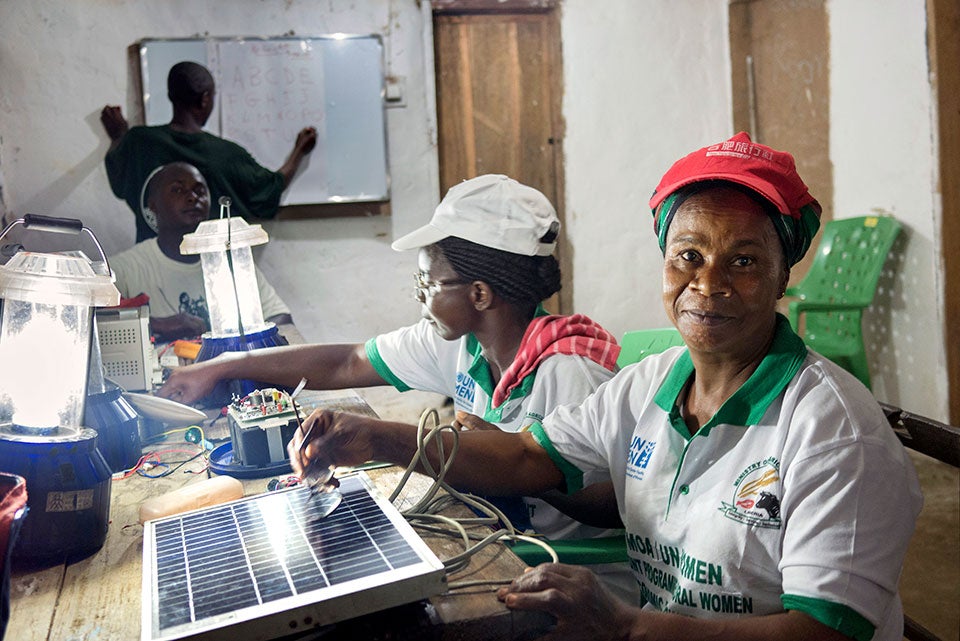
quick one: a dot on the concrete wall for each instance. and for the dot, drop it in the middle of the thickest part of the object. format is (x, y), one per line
(645, 82)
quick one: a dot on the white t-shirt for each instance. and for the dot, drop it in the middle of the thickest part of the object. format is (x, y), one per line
(175, 287)
(416, 357)
(797, 495)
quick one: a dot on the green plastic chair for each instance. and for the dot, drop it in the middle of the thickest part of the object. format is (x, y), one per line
(634, 346)
(640, 343)
(840, 284)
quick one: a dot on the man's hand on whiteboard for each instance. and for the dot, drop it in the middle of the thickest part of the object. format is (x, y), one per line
(113, 122)
(306, 141)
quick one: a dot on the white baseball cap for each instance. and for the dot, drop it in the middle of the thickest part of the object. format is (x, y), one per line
(494, 211)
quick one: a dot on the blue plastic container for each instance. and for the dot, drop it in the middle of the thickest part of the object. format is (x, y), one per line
(68, 488)
(214, 346)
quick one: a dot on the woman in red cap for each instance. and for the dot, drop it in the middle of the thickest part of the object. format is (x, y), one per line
(763, 492)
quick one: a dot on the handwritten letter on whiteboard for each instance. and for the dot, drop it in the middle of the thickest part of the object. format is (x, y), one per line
(269, 91)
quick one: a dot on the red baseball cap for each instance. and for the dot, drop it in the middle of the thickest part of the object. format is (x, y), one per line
(770, 173)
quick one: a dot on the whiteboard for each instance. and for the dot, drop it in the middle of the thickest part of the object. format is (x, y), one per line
(268, 89)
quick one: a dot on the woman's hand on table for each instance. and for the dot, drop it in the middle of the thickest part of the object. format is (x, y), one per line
(585, 610)
(583, 607)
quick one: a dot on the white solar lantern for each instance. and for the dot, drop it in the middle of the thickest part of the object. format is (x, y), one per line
(45, 333)
(229, 275)
(46, 336)
(233, 298)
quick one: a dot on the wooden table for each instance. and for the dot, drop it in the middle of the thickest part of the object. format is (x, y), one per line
(99, 598)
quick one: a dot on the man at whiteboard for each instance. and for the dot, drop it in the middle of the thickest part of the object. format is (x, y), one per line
(230, 170)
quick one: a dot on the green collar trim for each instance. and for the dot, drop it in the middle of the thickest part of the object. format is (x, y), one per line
(479, 369)
(749, 403)
(495, 414)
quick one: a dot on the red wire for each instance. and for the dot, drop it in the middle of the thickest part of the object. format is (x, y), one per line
(154, 457)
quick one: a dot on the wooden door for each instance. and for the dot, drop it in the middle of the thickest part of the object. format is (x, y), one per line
(944, 43)
(498, 75)
(779, 54)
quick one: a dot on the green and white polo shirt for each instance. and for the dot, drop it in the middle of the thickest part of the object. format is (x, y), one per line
(796, 495)
(416, 357)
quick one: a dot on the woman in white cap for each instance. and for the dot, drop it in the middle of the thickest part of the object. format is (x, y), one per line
(485, 266)
(763, 492)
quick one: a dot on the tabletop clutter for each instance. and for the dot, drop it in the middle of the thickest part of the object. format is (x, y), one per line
(262, 524)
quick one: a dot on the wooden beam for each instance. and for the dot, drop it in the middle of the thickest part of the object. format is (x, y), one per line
(493, 6)
(943, 17)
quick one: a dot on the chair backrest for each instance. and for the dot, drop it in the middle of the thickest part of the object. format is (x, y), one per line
(640, 343)
(849, 260)
(845, 270)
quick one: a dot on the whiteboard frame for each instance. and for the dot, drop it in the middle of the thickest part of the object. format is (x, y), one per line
(157, 110)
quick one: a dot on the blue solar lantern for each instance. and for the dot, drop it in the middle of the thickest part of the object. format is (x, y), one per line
(233, 298)
(46, 329)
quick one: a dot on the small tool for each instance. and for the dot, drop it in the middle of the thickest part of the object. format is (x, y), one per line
(324, 496)
(316, 475)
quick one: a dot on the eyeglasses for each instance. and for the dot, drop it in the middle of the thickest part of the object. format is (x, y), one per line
(423, 288)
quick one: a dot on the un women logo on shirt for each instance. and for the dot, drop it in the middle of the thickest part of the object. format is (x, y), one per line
(465, 389)
(641, 450)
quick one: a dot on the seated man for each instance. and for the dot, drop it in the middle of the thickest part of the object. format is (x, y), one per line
(177, 194)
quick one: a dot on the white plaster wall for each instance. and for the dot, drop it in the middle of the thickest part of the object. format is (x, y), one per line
(883, 148)
(645, 83)
(60, 62)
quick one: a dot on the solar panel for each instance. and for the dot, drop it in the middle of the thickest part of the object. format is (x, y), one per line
(263, 567)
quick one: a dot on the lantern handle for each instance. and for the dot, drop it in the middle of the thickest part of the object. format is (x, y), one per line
(53, 224)
(56, 225)
(225, 209)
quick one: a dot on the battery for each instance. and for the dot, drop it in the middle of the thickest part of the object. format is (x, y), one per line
(261, 425)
